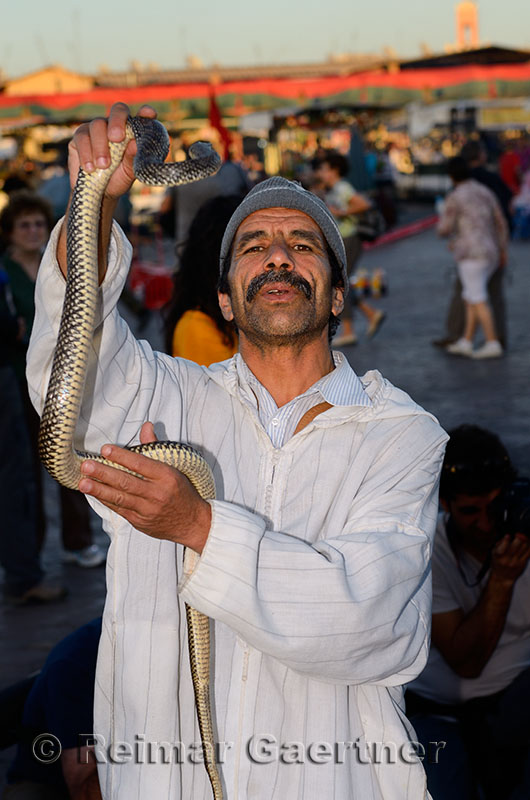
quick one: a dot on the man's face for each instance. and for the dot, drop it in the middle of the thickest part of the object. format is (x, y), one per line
(280, 279)
(475, 519)
(327, 175)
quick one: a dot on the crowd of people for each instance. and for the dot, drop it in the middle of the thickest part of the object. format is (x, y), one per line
(268, 552)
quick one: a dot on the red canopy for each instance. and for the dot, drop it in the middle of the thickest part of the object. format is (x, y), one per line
(285, 89)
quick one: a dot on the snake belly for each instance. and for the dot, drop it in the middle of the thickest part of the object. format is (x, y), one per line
(70, 362)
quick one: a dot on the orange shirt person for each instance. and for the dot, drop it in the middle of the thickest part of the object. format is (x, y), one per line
(197, 338)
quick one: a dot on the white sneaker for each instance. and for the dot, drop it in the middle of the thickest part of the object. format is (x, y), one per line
(345, 339)
(375, 323)
(91, 556)
(462, 347)
(491, 349)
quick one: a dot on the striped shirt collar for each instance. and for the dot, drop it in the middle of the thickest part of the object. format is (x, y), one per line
(341, 387)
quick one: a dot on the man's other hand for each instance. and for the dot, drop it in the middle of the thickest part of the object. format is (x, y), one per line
(509, 558)
(161, 503)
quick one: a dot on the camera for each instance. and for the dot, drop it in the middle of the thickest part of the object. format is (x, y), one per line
(512, 508)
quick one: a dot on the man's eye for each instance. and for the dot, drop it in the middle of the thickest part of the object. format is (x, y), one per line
(302, 247)
(256, 248)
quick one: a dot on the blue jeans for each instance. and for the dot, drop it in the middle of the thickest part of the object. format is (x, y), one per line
(449, 774)
(18, 532)
(487, 750)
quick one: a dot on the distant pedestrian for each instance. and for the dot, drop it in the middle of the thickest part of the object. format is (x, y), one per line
(254, 168)
(510, 166)
(345, 204)
(475, 155)
(473, 219)
(521, 209)
(19, 557)
(25, 225)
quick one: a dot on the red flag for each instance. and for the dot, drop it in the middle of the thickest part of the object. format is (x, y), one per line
(216, 121)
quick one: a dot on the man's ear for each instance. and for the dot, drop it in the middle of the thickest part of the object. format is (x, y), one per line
(444, 504)
(337, 300)
(225, 305)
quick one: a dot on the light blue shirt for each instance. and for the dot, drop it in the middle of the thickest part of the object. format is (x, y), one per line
(341, 387)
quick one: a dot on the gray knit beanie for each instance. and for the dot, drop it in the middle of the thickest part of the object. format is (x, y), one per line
(280, 193)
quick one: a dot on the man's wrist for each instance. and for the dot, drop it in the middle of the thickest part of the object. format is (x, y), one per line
(500, 583)
(201, 527)
(109, 202)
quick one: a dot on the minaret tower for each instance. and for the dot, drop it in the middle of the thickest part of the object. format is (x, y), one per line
(467, 25)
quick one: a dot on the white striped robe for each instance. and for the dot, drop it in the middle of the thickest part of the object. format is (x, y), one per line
(316, 573)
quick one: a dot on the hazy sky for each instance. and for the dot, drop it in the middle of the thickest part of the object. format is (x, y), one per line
(82, 36)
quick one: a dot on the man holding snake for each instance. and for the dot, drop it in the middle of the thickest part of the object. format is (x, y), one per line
(314, 559)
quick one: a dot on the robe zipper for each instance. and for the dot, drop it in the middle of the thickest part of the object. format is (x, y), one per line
(244, 676)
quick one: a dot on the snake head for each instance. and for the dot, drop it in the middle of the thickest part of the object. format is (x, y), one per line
(203, 150)
(152, 139)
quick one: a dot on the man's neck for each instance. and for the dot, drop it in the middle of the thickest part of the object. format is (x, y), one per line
(288, 371)
(479, 553)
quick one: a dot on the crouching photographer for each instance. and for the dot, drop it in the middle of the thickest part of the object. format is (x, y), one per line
(474, 693)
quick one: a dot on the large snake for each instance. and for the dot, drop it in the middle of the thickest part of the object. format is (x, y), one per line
(65, 388)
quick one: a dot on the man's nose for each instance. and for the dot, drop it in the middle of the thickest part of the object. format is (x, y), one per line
(486, 520)
(279, 256)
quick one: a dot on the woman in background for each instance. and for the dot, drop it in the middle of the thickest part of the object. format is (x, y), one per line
(25, 225)
(195, 327)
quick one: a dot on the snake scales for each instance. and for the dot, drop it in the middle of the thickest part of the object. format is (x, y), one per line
(65, 388)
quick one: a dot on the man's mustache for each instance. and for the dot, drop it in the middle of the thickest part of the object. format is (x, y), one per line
(277, 276)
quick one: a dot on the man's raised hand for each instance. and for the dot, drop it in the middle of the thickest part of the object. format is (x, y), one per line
(510, 557)
(90, 148)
